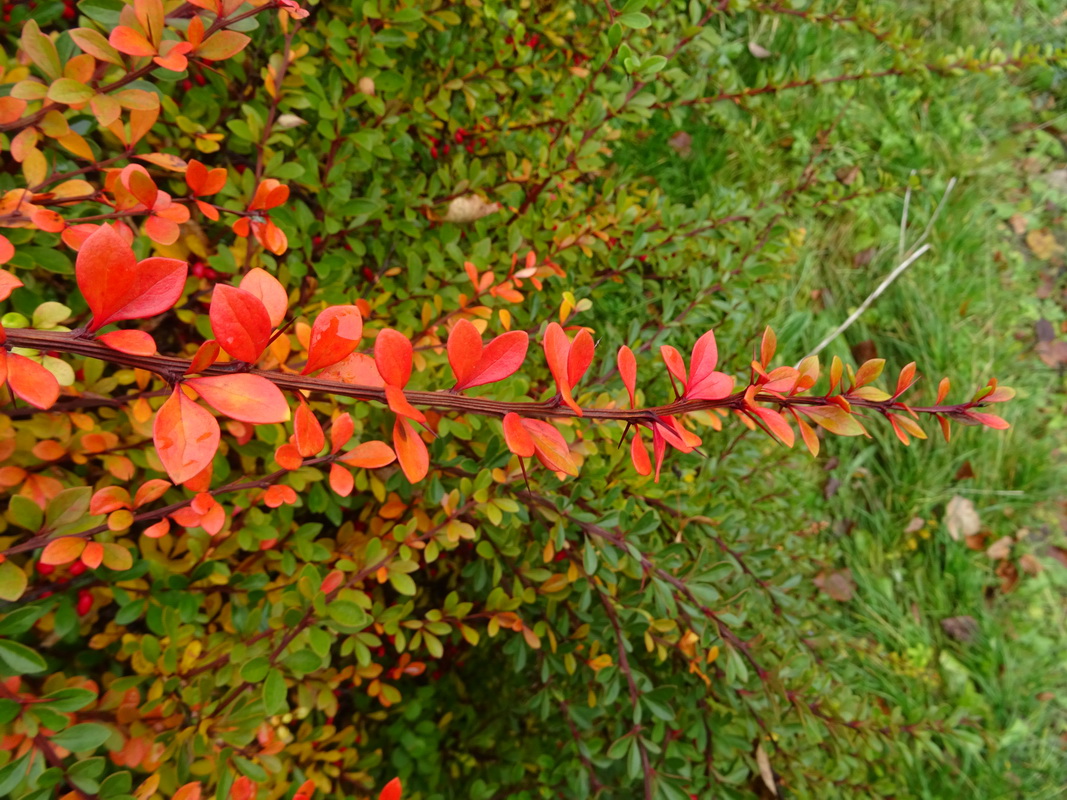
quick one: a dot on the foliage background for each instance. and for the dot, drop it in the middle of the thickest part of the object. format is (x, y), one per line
(785, 210)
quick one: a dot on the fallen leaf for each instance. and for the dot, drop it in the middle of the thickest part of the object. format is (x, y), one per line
(1018, 223)
(469, 208)
(837, 584)
(1030, 564)
(764, 764)
(682, 144)
(758, 50)
(961, 518)
(1043, 244)
(962, 629)
(847, 175)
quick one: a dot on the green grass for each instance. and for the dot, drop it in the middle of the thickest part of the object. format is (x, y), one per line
(964, 309)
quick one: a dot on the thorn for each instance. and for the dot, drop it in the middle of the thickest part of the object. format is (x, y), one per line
(622, 439)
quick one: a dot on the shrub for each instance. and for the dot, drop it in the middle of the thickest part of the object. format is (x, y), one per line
(412, 547)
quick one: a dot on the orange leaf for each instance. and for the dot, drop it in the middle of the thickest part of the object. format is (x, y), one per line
(62, 551)
(550, 447)
(393, 355)
(905, 379)
(309, 436)
(30, 381)
(8, 282)
(341, 431)
(248, 398)
(410, 450)
(127, 40)
(639, 455)
(265, 286)
(776, 423)
(391, 791)
(942, 392)
(288, 457)
(206, 355)
(240, 322)
(989, 420)
(675, 363)
(117, 287)
(186, 437)
(628, 370)
(834, 419)
(135, 343)
(108, 499)
(93, 555)
(190, 791)
(516, 436)
(807, 433)
(399, 404)
(335, 334)
(766, 350)
(222, 45)
(357, 369)
(869, 371)
(279, 496)
(341, 480)
(369, 455)
(150, 491)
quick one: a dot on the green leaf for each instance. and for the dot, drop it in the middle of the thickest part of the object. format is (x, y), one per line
(68, 507)
(275, 693)
(348, 614)
(25, 513)
(303, 661)
(69, 92)
(21, 658)
(402, 583)
(11, 774)
(70, 699)
(9, 709)
(635, 20)
(12, 581)
(82, 737)
(256, 669)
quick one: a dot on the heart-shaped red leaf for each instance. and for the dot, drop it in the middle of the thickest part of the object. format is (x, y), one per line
(118, 287)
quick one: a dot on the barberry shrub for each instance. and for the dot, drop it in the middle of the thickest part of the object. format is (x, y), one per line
(358, 399)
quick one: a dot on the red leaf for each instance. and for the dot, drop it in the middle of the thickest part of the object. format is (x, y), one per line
(464, 351)
(240, 322)
(659, 449)
(357, 369)
(32, 382)
(391, 791)
(475, 366)
(550, 447)
(341, 480)
(334, 336)
(309, 436)
(628, 370)
(410, 451)
(675, 363)
(135, 343)
(206, 355)
(516, 437)
(248, 398)
(557, 352)
(261, 283)
(186, 437)
(942, 391)
(370, 455)
(703, 360)
(989, 420)
(118, 287)
(392, 356)
(399, 404)
(581, 356)
(776, 423)
(714, 386)
(639, 455)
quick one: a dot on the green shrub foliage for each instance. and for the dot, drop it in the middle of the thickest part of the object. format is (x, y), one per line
(348, 429)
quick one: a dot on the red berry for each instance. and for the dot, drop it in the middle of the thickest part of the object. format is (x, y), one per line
(45, 569)
(84, 604)
(187, 85)
(200, 80)
(69, 12)
(433, 151)
(45, 594)
(76, 569)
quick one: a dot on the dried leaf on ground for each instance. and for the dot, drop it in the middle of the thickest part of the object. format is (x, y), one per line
(961, 518)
